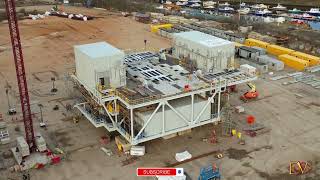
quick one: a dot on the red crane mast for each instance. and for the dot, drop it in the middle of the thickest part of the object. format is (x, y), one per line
(20, 71)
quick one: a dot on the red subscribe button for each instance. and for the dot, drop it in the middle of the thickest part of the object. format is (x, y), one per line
(160, 172)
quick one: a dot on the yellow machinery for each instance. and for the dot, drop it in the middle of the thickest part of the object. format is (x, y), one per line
(111, 108)
(294, 62)
(252, 94)
(255, 42)
(313, 60)
(155, 28)
(101, 87)
(252, 87)
(278, 50)
(237, 45)
(122, 144)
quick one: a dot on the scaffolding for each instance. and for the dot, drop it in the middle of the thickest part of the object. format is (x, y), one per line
(228, 123)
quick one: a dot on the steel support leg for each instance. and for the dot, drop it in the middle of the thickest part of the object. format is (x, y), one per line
(115, 110)
(131, 122)
(219, 95)
(163, 118)
(192, 108)
(148, 121)
(204, 108)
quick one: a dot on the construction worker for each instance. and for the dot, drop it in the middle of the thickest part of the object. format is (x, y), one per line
(145, 44)
(214, 167)
(234, 132)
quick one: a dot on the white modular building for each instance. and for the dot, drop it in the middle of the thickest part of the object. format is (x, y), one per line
(207, 51)
(100, 65)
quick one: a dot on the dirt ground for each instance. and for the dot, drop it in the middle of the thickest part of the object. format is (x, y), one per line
(48, 52)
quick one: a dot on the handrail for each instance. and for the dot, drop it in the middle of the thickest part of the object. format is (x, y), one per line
(149, 98)
(98, 96)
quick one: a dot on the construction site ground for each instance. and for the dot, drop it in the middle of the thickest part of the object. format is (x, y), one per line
(291, 112)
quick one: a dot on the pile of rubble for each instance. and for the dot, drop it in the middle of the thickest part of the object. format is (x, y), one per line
(80, 17)
(39, 16)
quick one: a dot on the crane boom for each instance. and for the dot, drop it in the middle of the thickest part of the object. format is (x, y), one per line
(252, 87)
(20, 72)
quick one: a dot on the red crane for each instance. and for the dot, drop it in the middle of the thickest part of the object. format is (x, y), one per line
(20, 71)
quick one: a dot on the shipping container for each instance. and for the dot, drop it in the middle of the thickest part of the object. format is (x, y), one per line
(155, 28)
(313, 60)
(237, 46)
(248, 52)
(100, 65)
(262, 51)
(255, 42)
(260, 66)
(294, 62)
(273, 64)
(278, 50)
(234, 37)
(208, 52)
(250, 70)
